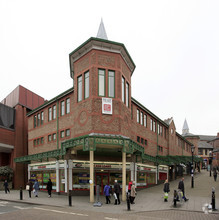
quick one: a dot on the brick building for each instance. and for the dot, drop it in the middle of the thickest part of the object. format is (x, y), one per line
(96, 132)
(13, 130)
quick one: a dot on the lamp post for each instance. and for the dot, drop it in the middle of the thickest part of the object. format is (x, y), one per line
(192, 170)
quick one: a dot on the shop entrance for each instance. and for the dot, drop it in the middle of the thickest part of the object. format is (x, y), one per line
(102, 179)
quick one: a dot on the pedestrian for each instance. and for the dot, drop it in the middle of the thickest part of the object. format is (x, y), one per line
(36, 188)
(215, 174)
(106, 192)
(49, 187)
(116, 191)
(133, 193)
(29, 187)
(182, 188)
(166, 189)
(6, 187)
(130, 186)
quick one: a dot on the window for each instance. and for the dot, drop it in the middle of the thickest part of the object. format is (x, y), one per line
(123, 89)
(67, 105)
(62, 108)
(42, 118)
(142, 140)
(145, 120)
(35, 120)
(62, 134)
(138, 139)
(154, 126)
(86, 85)
(35, 142)
(38, 141)
(67, 132)
(49, 114)
(41, 140)
(127, 95)
(49, 138)
(54, 112)
(38, 119)
(54, 136)
(161, 130)
(206, 151)
(158, 128)
(138, 115)
(111, 81)
(141, 118)
(200, 151)
(145, 142)
(79, 88)
(101, 82)
(151, 125)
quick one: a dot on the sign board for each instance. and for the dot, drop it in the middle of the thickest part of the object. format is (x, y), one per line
(107, 106)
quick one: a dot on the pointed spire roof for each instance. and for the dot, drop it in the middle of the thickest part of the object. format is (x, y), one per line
(185, 129)
(102, 32)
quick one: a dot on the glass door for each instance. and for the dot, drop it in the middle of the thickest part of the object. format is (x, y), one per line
(102, 179)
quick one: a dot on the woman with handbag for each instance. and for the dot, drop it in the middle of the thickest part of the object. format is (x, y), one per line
(166, 190)
(29, 187)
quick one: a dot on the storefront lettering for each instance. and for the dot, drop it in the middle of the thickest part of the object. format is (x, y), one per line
(102, 166)
(41, 167)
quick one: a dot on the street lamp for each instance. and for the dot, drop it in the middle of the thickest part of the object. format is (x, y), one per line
(192, 170)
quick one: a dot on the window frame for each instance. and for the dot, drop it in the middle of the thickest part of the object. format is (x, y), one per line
(67, 107)
(50, 114)
(104, 82)
(123, 89)
(62, 108)
(86, 84)
(53, 112)
(109, 77)
(80, 86)
(127, 94)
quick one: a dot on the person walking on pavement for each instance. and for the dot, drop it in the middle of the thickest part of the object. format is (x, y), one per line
(215, 174)
(166, 189)
(130, 186)
(117, 191)
(49, 187)
(36, 188)
(106, 192)
(133, 193)
(182, 188)
(30, 184)
(6, 187)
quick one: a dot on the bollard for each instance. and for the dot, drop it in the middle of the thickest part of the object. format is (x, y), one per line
(128, 201)
(21, 193)
(70, 198)
(213, 198)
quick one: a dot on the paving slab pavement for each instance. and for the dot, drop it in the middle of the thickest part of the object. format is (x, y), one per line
(150, 199)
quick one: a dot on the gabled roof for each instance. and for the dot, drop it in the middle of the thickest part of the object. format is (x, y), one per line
(204, 145)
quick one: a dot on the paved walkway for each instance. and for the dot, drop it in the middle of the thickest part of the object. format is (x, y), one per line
(150, 199)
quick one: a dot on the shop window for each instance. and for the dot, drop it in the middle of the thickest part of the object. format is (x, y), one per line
(111, 82)
(86, 85)
(67, 105)
(101, 82)
(79, 88)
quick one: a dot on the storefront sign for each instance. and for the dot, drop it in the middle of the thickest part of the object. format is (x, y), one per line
(107, 106)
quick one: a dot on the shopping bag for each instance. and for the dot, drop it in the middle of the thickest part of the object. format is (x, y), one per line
(27, 187)
(115, 196)
(34, 190)
(165, 195)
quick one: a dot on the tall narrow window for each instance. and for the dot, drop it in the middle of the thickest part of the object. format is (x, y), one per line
(67, 105)
(111, 80)
(35, 121)
(86, 85)
(38, 119)
(158, 128)
(49, 114)
(151, 125)
(62, 108)
(127, 95)
(101, 82)
(138, 115)
(42, 118)
(79, 88)
(123, 89)
(54, 112)
(154, 126)
(141, 118)
(145, 120)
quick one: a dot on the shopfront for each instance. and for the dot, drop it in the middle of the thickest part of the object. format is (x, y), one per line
(163, 172)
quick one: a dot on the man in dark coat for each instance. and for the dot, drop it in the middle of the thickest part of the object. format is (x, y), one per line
(181, 187)
(6, 187)
(117, 191)
(49, 187)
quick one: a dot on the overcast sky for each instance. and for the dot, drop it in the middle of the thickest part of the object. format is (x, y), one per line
(174, 45)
